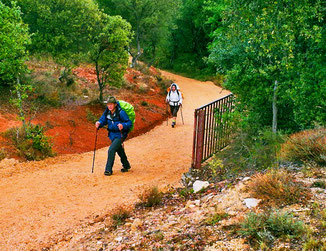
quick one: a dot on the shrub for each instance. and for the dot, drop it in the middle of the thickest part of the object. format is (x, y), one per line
(3, 153)
(319, 183)
(278, 187)
(31, 142)
(119, 216)
(150, 197)
(306, 146)
(268, 226)
(250, 151)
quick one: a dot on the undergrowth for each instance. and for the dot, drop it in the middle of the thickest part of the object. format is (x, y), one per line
(306, 146)
(150, 197)
(268, 226)
(31, 142)
(278, 187)
(119, 216)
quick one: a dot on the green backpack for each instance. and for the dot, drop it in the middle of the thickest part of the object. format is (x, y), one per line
(129, 109)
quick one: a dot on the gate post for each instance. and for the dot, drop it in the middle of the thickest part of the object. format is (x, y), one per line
(200, 139)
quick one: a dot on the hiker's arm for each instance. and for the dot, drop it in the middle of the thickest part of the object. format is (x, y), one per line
(167, 99)
(125, 121)
(180, 96)
(102, 120)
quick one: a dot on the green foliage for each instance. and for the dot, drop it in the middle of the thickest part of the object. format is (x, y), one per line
(3, 153)
(216, 218)
(61, 28)
(319, 183)
(306, 146)
(14, 38)
(150, 21)
(119, 216)
(151, 197)
(264, 42)
(249, 151)
(267, 227)
(31, 142)
(278, 188)
(109, 53)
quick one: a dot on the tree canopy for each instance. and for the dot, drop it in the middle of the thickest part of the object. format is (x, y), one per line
(14, 38)
(268, 42)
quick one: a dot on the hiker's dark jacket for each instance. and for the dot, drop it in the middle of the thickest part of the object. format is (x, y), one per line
(112, 120)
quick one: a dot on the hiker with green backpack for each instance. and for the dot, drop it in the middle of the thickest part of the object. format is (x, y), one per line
(119, 125)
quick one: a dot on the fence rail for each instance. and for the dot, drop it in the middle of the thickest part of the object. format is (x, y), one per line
(211, 129)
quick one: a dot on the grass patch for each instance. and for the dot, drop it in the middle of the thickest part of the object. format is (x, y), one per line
(306, 146)
(119, 216)
(269, 226)
(216, 218)
(3, 153)
(150, 197)
(277, 187)
(319, 183)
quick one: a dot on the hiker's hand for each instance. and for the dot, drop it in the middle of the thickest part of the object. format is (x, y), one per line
(120, 126)
(180, 105)
(97, 124)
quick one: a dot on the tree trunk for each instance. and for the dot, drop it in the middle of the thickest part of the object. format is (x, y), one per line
(100, 85)
(274, 126)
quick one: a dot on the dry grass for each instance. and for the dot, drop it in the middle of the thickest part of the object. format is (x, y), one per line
(279, 188)
(120, 215)
(150, 197)
(306, 146)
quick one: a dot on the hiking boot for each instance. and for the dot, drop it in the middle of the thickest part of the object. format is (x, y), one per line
(173, 124)
(124, 170)
(107, 173)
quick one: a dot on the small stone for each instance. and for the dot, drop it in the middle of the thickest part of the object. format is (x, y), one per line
(251, 202)
(119, 239)
(199, 185)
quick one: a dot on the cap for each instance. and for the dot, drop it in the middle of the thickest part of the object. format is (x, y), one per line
(111, 99)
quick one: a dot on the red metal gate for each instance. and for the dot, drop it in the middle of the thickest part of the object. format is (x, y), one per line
(211, 129)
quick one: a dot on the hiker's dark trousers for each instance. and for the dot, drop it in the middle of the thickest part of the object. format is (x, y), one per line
(174, 110)
(116, 147)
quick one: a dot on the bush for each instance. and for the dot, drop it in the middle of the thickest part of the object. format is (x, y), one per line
(250, 151)
(268, 226)
(119, 216)
(3, 153)
(150, 197)
(278, 188)
(31, 142)
(306, 146)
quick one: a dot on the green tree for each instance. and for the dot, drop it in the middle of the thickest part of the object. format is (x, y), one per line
(14, 38)
(109, 51)
(264, 44)
(59, 27)
(149, 20)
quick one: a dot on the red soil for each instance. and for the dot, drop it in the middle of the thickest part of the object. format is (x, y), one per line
(72, 132)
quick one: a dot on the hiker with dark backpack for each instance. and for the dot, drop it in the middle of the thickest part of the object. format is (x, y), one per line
(174, 99)
(119, 125)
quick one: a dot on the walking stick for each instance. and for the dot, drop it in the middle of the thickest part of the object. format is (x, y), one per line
(94, 150)
(167, 111)
(182, 116)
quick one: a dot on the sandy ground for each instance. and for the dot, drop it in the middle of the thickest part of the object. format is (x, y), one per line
(40, 201)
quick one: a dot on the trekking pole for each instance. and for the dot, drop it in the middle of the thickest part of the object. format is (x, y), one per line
(94, 150)
(167, 111)
(182, 116)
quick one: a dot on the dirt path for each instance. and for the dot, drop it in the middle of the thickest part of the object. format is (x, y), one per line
(41, 200)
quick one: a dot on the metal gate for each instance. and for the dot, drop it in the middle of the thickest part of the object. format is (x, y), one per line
(212, 129)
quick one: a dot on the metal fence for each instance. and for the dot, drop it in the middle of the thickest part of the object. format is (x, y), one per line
(211, 129)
